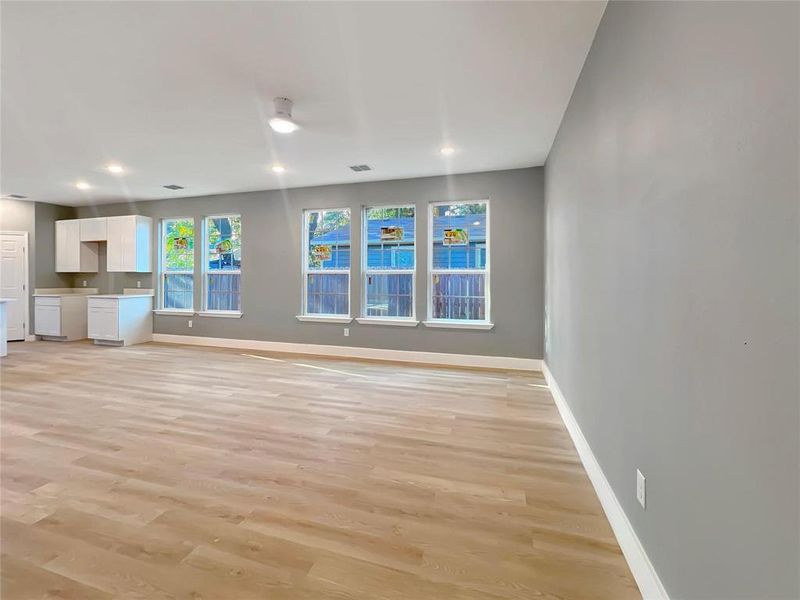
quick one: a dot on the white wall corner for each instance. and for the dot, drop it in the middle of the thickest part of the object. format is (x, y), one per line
(643, 571)
(407, 356)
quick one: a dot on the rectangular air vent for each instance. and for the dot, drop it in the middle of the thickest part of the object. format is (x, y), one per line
(361, 168)
(16, 196)
(172, 186)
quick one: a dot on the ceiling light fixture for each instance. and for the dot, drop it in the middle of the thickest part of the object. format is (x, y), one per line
(82, 185)
(115, 168)
(447, 150)
(282, 121)
(278, 168)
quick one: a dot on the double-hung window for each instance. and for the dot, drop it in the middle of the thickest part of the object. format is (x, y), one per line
(326, 262)
(459, 264)
(389, 260)
(222, 264)
(176, 258)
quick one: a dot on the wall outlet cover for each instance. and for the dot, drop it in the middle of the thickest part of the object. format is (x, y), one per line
(346, 332)
(190, 322)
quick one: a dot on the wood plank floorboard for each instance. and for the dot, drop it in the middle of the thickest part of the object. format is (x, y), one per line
(174, 472)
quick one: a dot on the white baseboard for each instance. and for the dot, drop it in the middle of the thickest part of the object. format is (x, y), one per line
(643, 571)
(428, 358)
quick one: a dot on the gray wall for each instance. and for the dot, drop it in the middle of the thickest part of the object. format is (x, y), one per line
(672, 284)
(271, 281)
(45, 257)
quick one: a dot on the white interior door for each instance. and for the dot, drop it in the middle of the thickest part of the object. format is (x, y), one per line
(13, 281)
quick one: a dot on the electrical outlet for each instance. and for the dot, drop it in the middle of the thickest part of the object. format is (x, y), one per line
(641, 490)
(190, 322)
(346, 332)
(84, 283)
(139, 283)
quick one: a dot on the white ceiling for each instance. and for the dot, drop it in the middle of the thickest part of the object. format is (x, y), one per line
(180, 92)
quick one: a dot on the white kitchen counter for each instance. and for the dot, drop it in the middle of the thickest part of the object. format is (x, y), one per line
(118, 296)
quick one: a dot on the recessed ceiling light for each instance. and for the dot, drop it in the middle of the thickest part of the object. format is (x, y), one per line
(278, 168)
(82, 185)
(115, 168)
(282, 121)
(447, 150)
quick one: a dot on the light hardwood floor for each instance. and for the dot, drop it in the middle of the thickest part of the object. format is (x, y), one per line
(159, 471)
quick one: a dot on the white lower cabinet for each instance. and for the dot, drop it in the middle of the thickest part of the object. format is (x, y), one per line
(121, 320)
(103, 319)
(59, 317)
(47, 319)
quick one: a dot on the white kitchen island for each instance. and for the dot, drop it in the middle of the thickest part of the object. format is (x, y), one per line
(4, 325)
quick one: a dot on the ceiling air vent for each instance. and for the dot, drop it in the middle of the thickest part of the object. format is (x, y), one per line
(172, 186)
(361, 168)
(16, 196)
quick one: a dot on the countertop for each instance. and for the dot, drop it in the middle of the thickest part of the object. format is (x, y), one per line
(117, 296)
(64, 295)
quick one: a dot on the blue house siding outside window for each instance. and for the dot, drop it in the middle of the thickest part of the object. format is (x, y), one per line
(389, 261)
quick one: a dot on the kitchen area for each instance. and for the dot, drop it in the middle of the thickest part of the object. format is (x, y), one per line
(120, 244)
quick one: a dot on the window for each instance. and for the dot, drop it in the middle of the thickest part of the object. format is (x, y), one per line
(459, 262)
(222, 264)
(326, 262)
(389, 261)
(177, 264)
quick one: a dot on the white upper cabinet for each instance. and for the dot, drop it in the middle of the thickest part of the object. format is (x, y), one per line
(93, 230)
(127, 250)
(72, 255)
(128, 247)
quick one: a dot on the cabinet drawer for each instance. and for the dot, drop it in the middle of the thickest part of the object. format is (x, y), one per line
(47, 301)
(103, 303)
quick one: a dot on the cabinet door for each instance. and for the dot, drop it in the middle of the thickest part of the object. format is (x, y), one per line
(47, 320)
(121, 248)
(102, 323)
(93, 230)
(68, 246)
(114, 246)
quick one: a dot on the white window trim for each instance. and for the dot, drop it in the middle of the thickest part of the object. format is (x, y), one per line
(205, 311)
(222, 314)
(392, 321)
(162, 271)
(459, 323)
(174, 312)
(323, 317)
(366, 272)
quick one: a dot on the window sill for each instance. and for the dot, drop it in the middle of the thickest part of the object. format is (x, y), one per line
(324, 319)
(221, 314)
(174, 313)
(445, 324)
(388, 321)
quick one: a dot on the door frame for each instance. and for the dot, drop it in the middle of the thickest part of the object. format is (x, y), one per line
(27, 285)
